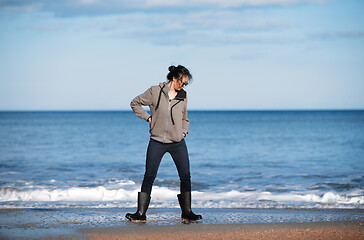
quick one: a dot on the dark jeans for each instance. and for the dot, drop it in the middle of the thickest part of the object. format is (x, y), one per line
(155, 152)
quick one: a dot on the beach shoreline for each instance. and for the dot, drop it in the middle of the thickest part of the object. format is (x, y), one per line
(103, 223)
(282, 231)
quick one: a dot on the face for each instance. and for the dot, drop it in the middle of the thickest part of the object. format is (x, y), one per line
(180, 83)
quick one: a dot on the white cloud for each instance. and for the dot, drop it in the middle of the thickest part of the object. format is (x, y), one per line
(88, 2)
(163, 3)
(224, 3)
(30, 7)
(106, 7)
(238, 3)
(208, 26)
(197, 28)
(207, 20)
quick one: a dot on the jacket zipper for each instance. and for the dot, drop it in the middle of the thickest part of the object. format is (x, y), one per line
(169, 111)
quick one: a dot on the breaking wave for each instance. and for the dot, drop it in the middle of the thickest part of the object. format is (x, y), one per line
(165, 197)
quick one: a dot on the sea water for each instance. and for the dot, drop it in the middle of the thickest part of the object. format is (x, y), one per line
(238, 159)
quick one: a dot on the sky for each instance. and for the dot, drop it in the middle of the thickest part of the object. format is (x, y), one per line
(243, 54)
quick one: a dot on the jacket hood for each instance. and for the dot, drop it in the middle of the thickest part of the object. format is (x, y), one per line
(181, 94)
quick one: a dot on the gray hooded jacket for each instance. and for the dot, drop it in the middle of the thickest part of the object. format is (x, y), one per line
(169, 117)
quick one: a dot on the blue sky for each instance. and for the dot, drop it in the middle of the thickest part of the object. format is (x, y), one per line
(243, 54)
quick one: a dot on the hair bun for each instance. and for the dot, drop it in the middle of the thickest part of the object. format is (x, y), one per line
(171, 68)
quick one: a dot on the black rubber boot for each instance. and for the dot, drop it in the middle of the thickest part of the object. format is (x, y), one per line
(143, 203)
(185, 203)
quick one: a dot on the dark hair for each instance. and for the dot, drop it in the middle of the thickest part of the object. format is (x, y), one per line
(178, 72)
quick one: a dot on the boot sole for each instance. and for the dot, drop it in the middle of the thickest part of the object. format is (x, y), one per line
(185, 220)
(134, 220)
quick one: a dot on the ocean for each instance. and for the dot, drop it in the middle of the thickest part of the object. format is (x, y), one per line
(238, 159)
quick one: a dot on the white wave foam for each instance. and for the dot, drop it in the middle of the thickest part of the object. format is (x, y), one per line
(328, 197)
(163, 197)
(71, 194)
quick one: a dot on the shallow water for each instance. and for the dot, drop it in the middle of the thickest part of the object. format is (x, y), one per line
(239, 159)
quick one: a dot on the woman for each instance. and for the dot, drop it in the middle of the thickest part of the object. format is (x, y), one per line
(168, 124)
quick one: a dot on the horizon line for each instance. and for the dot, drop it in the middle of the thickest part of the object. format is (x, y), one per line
(189, 110)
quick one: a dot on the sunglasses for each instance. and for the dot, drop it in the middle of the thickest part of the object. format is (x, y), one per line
(184, 84)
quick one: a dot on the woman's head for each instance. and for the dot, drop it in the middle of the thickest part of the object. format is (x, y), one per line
(179, 74)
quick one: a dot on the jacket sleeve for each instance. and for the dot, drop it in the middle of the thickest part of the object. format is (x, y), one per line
(144, 99)
(185, 121)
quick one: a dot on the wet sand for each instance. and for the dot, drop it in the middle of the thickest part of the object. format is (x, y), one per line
(103, 223)
(281, 231)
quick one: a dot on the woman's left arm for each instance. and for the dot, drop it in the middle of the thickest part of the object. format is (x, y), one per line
(185, 121)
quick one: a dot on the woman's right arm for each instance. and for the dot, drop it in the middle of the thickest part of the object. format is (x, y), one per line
(144, 99)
